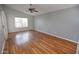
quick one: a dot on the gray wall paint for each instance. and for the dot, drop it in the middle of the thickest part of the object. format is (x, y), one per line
(11, 14)
(63, 23)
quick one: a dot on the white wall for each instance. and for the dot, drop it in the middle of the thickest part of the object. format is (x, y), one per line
(63, 23)
(11, 14)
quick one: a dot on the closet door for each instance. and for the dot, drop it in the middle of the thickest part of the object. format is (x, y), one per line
(4, 24)
(3, 30)
(77, 51)
(1, 35)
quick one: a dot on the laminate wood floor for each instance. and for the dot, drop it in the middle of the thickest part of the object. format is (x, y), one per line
(34, 42)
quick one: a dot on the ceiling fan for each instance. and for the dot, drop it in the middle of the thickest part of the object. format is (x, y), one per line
(31, 9)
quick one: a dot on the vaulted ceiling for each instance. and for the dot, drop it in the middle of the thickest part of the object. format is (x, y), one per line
(42, 8)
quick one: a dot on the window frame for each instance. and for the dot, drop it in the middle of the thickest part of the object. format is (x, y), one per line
(21, 22)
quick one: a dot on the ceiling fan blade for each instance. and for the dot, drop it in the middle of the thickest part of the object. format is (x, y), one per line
(36, 11)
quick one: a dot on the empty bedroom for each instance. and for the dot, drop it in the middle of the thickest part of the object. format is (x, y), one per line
(39, 28)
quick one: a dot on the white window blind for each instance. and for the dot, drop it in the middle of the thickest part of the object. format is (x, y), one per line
(21, 22)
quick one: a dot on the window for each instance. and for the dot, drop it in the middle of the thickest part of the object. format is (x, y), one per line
(21, 22)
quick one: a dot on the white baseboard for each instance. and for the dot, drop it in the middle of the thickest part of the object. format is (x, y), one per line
(19, 31)
(57, 36)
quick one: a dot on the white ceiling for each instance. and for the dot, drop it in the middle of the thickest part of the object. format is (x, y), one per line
(42, 8)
